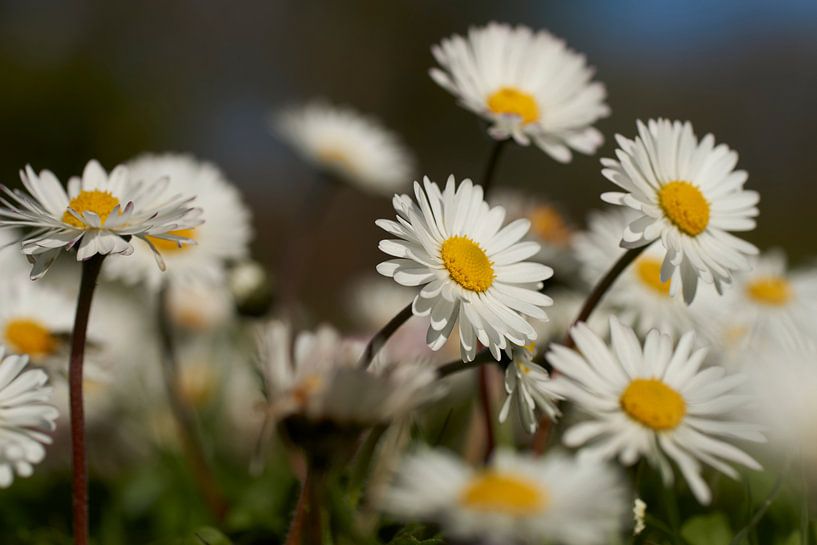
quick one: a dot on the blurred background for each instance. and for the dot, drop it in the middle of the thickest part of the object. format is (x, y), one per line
(110, 80)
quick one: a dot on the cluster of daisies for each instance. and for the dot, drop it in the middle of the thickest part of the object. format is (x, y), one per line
(647, 333)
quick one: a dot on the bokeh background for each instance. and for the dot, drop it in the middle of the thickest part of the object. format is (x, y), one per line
(110, 80)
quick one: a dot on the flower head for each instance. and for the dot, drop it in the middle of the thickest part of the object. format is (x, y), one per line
(98, 214)
(531, 387)
(528, 85)
(688, 195)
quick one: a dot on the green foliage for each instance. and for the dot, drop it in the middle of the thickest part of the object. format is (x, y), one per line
(712, 529)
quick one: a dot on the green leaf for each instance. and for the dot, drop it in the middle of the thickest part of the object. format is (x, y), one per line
(413, 535)
(707, 530)
(209, 536)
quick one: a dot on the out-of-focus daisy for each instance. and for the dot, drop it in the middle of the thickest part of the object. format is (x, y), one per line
(516, 498)
(352, 146)
(199, 307)
(530, 386)
(528, 85)
(566, 306)
(689, 196)
(12, 263)
(772, 306)
(549, 226)
(639, 291)
(98, 214)
(471, 269)
(36, 320)
(320, 377)
(224, 235)
(655, 403)
(25, 417)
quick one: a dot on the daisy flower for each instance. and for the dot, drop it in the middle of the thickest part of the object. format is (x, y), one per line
(655, 403)
(528, 85)
(98, 214)
(25, 416)
(224, 236)
(471, 269)
(639, 291)
(688, 195)
(772, 305)
(516, 498)
(319, 377)
(354, 147)
(529, 385)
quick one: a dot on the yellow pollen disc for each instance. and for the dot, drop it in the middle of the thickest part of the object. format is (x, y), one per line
(771, 290)
(166, 246)
(503, 493)
(467, 263)
(685, 206)
(512, 101)
(649, 272)
(99, 202)
(549, 225)
(335, 157)
(653, 404)
(197, 384)
(30, 337)
(306, 389)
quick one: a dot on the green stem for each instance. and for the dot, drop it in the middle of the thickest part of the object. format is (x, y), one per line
(743, 532)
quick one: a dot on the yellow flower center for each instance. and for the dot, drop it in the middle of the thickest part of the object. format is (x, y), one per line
(512, 101)
(771, 290)
(549, 225)
(99, 202)
(503, 493)
(169, 246)
(685, 206)
(197, 383)
(335, 157)
(305, 389)
(648, 271)
(653, 404)
(27, 336)
(467, 263)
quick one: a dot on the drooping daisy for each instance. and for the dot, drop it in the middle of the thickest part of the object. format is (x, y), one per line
(530, 386)
(689, 196)
(655, 403)
(352, 146)
(98, 214)
(320, 377)
(471, 269)
(25, 417)
(772, 306)
(644, 299)
(516, 498)
(224, 235)
(529, 85)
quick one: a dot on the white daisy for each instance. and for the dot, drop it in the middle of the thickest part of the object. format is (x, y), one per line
(772, 305)
(12, 263)
(654, 403)
(97, 215)
(470, 268)
(25, 416)
(516, 498)
(224, 236)
(354, 147)
(688, 195)
(529, 85)
(639, 291)
(530, 386)
(320, 377)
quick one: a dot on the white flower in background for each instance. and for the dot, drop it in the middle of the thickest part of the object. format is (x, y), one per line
(516, 498)
(549, 226)
(12, 262)
(689, 196)
(654, 403)
(25, 416)
(97, 215)
(471, 269)
(352, 146)
(36, 320)
(199, 307)
(530, 386)
(644, 299)
(223, 236)
(528, 85)
(320, 377)
(772, 306)
(567, 304)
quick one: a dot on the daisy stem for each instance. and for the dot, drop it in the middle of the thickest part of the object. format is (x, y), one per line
(299, 516)
(487, 413)
(804, 511)
(490, 167)
(90, 273)
(183, 414)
